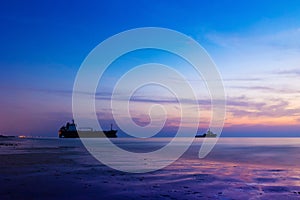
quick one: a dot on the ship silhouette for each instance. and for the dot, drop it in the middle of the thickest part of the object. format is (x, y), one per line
(70, 131)
(209, 133)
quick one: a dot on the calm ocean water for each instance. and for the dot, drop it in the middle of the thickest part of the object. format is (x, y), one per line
(282, 152)
(236, 168)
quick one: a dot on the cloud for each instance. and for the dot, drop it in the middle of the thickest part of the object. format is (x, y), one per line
(241, 79)
(244, 102)
(160, 100)
(274, 108)
(289, 72)
(241, 106)
(268, 89)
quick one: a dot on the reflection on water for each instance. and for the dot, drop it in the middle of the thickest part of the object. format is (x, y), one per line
(264, 151)
(281, 152)
(237, 168)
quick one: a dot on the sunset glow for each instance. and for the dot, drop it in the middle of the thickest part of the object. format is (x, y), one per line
(255, 48)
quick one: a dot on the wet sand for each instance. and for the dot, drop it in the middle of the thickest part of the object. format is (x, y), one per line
(63, 169)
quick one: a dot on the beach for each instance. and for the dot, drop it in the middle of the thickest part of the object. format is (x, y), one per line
(237, 168)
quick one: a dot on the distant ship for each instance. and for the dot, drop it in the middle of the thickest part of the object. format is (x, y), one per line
(6, 136)
(209, 134)
(70, 131)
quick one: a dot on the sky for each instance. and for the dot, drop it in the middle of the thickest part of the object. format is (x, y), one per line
(254, 44)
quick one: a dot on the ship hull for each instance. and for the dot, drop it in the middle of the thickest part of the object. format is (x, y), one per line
(88, 134)
(206, 136)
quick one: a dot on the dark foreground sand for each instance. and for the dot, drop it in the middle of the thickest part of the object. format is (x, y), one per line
(63, 169)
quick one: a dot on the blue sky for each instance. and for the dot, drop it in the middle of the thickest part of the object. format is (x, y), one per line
(255, 45)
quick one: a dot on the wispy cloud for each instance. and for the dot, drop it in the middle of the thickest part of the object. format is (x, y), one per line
(241, 79)
(290, 72)
(238, 107)
(274, 109)
(164, 100)
(268, 89)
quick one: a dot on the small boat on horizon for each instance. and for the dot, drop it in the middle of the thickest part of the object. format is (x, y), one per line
(208, 134)
(70, 131)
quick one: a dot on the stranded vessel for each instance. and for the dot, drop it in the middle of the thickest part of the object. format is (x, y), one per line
(70, 131)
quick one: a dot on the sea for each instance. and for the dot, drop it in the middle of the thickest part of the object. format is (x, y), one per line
(236, 168)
